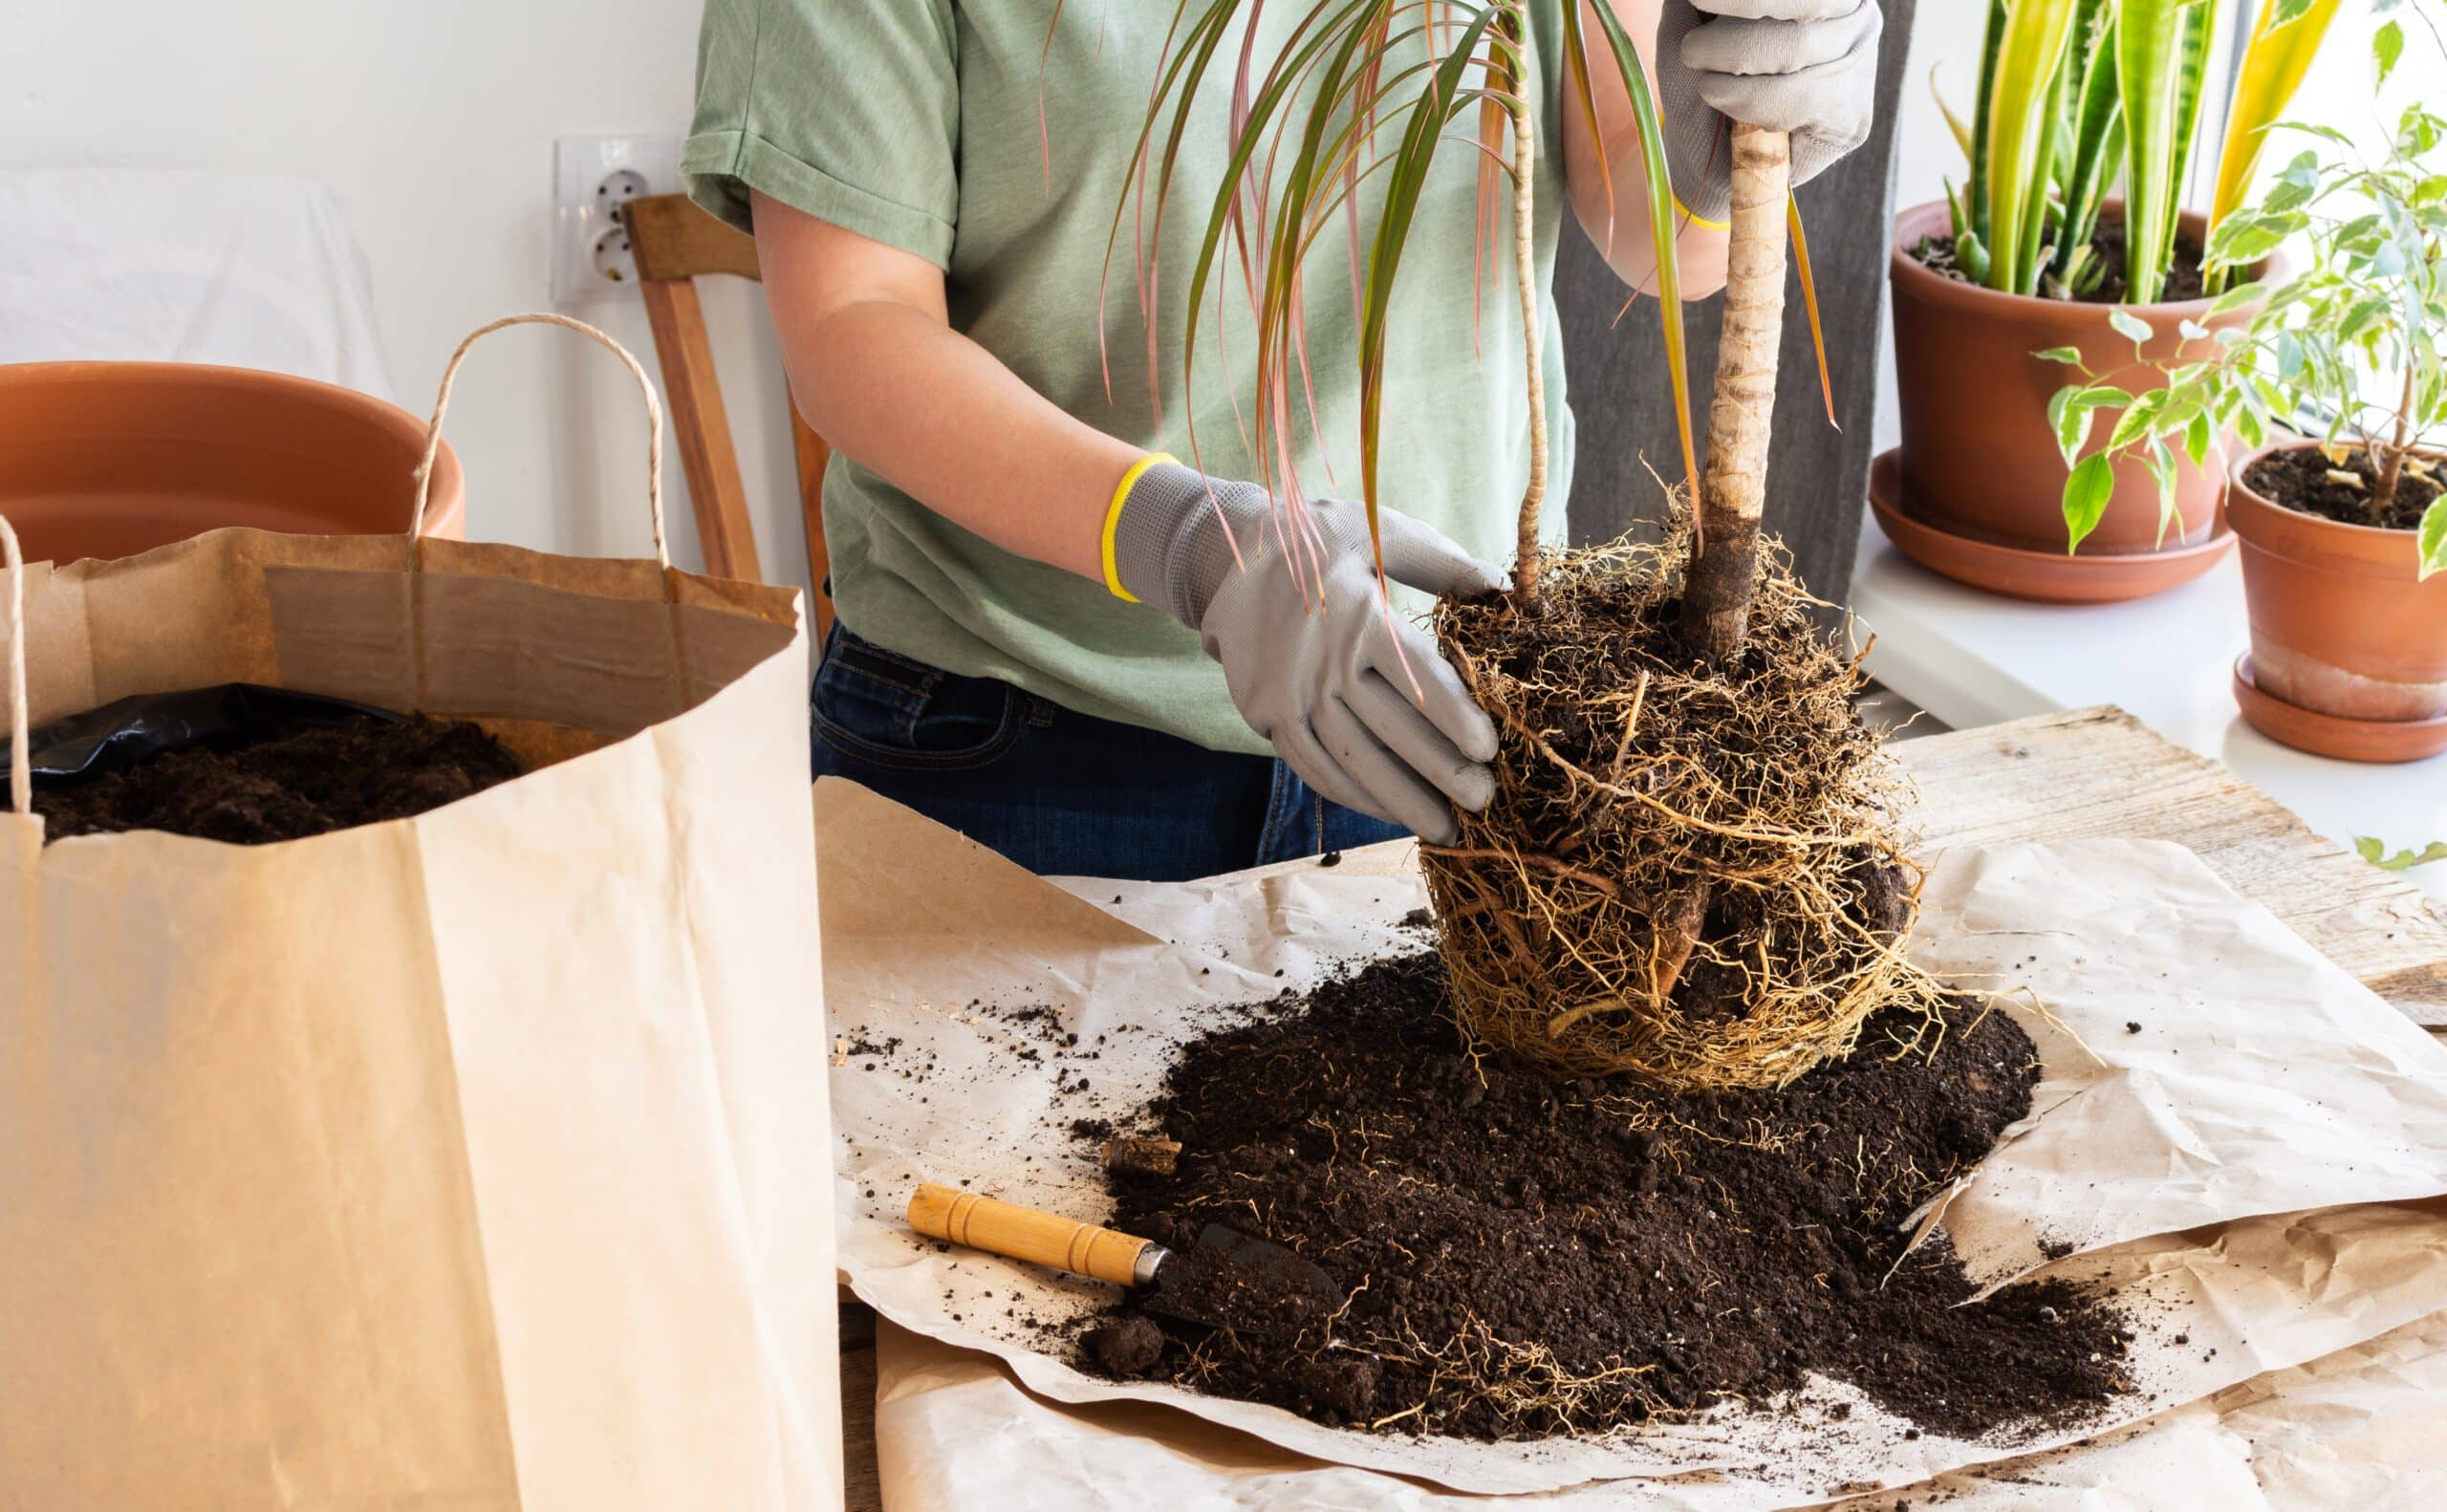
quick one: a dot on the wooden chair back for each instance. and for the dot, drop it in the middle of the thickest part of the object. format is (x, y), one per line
(675, 244)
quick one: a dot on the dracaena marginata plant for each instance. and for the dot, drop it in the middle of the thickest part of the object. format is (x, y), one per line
(1380, 90)
(2364, 317)
(2076, 97)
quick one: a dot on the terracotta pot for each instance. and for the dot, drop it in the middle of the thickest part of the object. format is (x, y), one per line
(1979, 459)
(114, 459)
(2342, 624)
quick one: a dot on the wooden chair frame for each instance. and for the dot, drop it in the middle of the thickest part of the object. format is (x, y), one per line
(675, 244)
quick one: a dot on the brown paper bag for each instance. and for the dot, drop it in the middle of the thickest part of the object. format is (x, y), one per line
(474, 1161)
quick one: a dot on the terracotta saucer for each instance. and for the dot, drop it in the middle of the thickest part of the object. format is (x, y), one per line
(2050, 577)
(2330, 734)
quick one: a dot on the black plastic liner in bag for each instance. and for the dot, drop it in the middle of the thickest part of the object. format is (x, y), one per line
(250, 765)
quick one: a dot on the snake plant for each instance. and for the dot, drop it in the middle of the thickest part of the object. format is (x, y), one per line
(2076, 97)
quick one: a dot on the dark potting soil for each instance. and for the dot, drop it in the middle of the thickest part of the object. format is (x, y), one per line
(1524, 1258)
(287, 786)
(2297, 478)
(2185, 279)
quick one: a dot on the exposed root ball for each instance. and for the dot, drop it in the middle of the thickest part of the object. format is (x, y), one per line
(1634, 788)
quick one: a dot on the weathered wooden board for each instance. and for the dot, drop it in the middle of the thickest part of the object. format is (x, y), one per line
(2099, 771)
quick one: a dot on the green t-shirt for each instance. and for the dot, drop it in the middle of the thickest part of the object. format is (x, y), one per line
(914, 123)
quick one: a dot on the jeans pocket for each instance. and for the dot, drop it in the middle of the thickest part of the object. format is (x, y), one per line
(895, 711)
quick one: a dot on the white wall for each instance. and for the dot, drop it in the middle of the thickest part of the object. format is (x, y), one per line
(435, 119)
(1946, 37)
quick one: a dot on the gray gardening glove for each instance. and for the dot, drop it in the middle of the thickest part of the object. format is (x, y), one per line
(1805, 67)
(1328, 682)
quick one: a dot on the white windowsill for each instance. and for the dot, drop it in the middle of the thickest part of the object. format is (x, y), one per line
(1970, 659)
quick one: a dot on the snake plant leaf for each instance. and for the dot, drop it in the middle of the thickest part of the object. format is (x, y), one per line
(2029, 49)
(2097, 145)
(2149, 41)
(2285, 40)
(2035, 256)
(1992, 42)
(1960, 128)
(2192, 69)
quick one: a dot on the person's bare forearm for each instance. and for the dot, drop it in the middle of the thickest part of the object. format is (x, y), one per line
(885, 382)
(1628, 246)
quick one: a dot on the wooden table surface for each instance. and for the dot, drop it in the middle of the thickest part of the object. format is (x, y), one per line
(2060, 776)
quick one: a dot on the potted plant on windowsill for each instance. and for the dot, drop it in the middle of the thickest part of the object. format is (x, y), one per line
(2343, 528)
(2012, 271)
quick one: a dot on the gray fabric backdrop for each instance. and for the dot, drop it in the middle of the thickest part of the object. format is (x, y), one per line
(1817, 477)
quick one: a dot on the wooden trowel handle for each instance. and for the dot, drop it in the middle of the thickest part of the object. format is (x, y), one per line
(1023, 1233)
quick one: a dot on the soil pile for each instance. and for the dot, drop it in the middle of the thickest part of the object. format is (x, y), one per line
(2300, 477)
(1524, 1258)
(287, 786)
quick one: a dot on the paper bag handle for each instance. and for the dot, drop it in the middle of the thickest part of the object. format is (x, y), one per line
(21, 775)
(1023, 1233)
(637, 370)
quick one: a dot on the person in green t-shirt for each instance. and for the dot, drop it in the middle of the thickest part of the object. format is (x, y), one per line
(1046, 637)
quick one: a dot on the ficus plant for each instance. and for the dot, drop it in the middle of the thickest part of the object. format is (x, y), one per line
(2076, 97)
(2364, 316)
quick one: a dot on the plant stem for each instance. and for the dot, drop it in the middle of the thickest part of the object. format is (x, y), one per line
(2390, 458)
(1530, 558)
(1733, 485)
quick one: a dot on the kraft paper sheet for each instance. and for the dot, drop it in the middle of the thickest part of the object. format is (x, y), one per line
(2262, 1081)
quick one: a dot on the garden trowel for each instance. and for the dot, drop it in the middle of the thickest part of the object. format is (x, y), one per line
(1227, 1280)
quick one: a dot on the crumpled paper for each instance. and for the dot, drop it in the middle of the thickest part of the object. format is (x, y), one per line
(2364, 1428)
(925, 953)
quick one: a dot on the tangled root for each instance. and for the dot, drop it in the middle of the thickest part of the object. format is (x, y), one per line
(1634, 790)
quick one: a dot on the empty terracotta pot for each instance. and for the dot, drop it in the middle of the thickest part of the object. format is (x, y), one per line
(113, 459)
(1979, 458)
(2342, 624)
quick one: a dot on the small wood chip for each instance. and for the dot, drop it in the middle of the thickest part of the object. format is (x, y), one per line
(1142, 1156)
(2349, 480)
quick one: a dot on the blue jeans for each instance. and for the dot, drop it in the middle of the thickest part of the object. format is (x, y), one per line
(1061, 792)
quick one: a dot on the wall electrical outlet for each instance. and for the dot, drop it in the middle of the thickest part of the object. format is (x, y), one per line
(592, 178)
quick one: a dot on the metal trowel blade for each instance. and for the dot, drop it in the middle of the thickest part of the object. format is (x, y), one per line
(1228, 1280)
